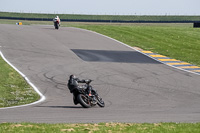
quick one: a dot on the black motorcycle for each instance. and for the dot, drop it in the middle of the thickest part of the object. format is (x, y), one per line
(56, 24)
(88, 100)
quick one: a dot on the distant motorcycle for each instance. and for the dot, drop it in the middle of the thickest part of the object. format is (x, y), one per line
(56, 24)
(56, 21)
(87, 100)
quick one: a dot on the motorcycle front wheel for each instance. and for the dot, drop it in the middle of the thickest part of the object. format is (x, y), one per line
(100, 101)
(56, 25)
(84, 101)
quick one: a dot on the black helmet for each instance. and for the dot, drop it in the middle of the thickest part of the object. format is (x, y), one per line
(72, 77)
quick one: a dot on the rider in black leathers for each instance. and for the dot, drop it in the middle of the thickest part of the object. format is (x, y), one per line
(74, 86)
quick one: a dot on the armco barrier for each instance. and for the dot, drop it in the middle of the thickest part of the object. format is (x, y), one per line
(104, 21)
(31, 19)
(196, 25)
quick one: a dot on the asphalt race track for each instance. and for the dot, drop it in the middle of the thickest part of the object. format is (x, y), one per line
(135, 87)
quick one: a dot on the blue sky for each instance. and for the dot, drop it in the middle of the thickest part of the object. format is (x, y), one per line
(105, 7)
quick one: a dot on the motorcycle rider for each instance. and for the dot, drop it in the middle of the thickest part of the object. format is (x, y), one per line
(73, 85)
(57, 19)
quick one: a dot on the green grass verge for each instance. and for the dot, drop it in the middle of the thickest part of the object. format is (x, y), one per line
(13, 88)
(101, 128)
(6, 21)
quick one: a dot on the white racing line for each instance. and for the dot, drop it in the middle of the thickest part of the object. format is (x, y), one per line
(136, 50)
(42, 97)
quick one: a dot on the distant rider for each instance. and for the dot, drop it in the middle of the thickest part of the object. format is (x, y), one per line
(73, 85)
(57, 19)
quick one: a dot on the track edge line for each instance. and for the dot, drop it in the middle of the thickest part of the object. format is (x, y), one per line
(42, 97)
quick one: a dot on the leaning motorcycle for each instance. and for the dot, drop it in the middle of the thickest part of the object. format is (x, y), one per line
(56, 24)
(89, 100)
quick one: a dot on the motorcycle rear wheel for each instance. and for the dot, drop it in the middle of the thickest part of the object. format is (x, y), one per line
(84, 101)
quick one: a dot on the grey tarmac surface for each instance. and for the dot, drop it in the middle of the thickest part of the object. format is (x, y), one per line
(134, 87)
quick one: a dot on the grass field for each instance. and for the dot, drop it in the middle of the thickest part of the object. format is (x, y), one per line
(13, 88)
(101, 128)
